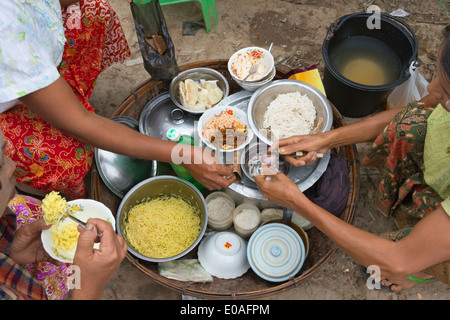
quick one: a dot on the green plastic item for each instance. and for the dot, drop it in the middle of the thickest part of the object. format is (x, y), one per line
(417, 280)
(174, 135)
(208, 9)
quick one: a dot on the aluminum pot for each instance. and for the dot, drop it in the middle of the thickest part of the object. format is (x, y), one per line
(160, 186)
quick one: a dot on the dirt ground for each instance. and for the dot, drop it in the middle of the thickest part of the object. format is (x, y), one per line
(297, 29)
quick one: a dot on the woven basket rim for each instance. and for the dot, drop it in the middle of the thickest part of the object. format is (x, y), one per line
(184, 288)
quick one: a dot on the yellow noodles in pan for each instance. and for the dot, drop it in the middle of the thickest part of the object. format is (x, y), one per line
(163, 227)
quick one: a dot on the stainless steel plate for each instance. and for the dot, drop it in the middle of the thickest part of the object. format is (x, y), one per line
(161, 114)
(304, 176)
(121, 173)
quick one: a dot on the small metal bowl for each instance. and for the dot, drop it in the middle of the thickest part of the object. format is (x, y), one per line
(197, 74)
(155, 187)
(261, 99)
(260, 148)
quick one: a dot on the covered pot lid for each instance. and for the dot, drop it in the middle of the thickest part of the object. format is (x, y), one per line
(161, 115)
(276, 252)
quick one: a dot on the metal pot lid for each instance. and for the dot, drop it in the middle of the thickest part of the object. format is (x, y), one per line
(120, 173)
(276, 252)
(160, 115)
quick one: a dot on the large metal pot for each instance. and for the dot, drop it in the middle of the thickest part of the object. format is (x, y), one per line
(159, 186)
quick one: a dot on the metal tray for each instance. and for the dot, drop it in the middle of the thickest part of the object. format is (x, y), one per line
(304, 176)
(161, 114)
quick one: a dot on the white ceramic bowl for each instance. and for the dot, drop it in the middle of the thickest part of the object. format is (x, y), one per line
(253, 86)
(83, 210)
(224, 255)
(240, 62)
(238, 113)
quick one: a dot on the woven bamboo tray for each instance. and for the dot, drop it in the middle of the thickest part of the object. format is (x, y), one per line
(248, 286)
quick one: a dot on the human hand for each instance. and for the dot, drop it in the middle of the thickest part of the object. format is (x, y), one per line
(278, 188)
(27, 245)
(209, 172)
(312, 144)
(97, 266)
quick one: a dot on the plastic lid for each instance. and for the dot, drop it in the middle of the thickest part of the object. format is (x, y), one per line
(173, 135)
(276, 252)
(228, 243)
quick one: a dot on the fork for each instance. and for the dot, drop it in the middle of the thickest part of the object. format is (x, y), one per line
(81, 223)
(253, 70)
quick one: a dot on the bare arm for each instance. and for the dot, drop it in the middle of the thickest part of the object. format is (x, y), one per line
(365, 130)
(426, 245)
(58, 105)
(362, 131)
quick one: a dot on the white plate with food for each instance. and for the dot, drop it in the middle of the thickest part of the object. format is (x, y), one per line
(224, 129)
(60, 241)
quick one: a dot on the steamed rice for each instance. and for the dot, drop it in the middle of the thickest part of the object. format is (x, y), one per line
(290, 114)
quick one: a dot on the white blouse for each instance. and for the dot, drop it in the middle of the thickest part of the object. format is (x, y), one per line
(31, 47)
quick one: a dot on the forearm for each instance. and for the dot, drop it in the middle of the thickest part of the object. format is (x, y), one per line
(110, 135)
(425, 245)
(58, 106)
(364, 247)
(363, 131)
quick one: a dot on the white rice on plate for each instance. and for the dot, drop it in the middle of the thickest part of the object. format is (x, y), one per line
(290, 114)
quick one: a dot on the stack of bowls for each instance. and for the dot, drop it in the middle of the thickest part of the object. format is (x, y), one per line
(240, 62)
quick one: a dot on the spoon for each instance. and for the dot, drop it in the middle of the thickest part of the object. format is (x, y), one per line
(253, 70)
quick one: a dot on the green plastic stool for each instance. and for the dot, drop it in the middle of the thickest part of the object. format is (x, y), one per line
(208, 8)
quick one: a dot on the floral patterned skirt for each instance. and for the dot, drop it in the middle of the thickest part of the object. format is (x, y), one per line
(45, 158)
(403, 192)
(53, 278)
(398, 154)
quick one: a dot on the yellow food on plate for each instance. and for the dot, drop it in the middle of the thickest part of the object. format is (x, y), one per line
(53, 207)
(65, 236)
(163, 227)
